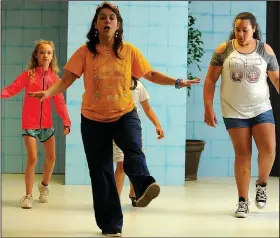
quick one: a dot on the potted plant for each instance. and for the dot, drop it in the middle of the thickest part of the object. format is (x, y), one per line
(194, 148)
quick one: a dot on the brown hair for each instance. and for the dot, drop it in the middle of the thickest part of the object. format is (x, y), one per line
(92, 35)
(134, 80)
(247, 16)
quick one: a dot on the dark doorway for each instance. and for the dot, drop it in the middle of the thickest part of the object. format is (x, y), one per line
(273, 39)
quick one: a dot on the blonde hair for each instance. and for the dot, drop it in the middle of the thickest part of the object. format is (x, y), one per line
(33, 63)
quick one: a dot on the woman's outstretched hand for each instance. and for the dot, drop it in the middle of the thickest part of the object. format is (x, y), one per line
(40, 94)
(188, 83)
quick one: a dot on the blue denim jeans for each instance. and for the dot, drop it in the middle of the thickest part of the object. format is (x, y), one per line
(98, 144)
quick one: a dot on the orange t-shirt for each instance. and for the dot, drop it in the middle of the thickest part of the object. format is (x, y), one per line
(107, 80)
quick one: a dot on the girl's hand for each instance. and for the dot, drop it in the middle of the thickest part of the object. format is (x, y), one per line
(159, 132)
(210, 117)
(66, 130)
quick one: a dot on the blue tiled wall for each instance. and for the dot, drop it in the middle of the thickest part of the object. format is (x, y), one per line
(159, 30)
(22, 23)
(214, 20)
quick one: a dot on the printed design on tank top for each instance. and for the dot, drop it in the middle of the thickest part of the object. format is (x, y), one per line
(245, 69)
(112, 72)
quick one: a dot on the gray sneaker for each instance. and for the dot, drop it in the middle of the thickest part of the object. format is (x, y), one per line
(242, 210)
(151, 193)
(261, 197)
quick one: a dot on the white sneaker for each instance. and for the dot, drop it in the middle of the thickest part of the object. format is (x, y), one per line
(118, 234)
(26, 201)
(44, 193)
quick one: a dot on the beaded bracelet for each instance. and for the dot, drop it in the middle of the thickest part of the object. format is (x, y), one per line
(177, 86)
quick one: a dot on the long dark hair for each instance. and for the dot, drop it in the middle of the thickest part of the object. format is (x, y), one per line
(92, 35)
(135, 82)
(247, 16)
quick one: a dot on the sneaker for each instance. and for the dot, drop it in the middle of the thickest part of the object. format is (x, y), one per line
(118, 234)
(243, 209)
(26, 201)
(261, 197)
(151, 193)
(133, 200)
(44, 193)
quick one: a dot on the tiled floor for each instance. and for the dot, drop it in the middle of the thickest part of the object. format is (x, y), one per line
(201, 208)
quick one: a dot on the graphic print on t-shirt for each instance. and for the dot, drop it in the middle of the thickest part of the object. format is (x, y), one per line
(248, 69)
(111, 73)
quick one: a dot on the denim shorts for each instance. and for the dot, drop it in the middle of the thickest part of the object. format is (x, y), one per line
(266, 117)
(42, 134)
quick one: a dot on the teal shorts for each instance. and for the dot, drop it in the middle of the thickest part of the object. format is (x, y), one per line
(42, 134)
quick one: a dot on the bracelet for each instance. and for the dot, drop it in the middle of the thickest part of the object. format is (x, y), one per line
(177, 86)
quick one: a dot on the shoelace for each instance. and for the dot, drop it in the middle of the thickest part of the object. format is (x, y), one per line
(44, 190)
(25, 197)
(261, 193)
(242, 206)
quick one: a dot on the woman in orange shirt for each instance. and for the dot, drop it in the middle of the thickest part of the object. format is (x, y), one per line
(108, 113)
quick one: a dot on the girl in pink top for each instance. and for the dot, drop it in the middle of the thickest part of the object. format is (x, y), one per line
(37, 115)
